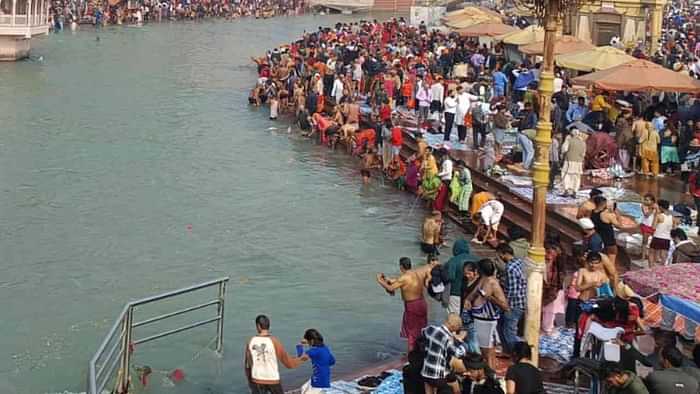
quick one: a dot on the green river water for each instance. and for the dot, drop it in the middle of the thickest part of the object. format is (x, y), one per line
(133, 165)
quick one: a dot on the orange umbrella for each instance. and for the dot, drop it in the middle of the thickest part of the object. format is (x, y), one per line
(563, 44)
(488, 29)
(640, 76)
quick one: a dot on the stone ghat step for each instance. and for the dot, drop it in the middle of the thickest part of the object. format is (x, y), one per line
(518, 211)
(550, 388)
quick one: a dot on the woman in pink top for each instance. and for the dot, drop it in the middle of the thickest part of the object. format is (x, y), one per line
(572, 294)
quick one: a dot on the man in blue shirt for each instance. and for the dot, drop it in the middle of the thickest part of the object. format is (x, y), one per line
(515, 289)
(523, 78)
(577, 111)
(500, 81)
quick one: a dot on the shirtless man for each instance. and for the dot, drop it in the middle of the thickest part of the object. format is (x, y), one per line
(431, 239)
(352, 123)
(370, 161)
(586, 209)
(590, 278)
(411, 283)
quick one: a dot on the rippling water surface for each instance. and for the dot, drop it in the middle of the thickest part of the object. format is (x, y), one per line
(133, 165)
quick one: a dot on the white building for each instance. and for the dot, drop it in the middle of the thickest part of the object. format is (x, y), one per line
(20, 20)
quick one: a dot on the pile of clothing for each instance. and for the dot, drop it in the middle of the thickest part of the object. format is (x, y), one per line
(388, 382)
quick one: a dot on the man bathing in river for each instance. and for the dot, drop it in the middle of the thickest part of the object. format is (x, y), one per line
(431, 239)
(411, 283)
(370, 161)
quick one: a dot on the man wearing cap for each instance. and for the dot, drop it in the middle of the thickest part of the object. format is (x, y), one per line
(592, 241)
(624, 137)
(574, 151)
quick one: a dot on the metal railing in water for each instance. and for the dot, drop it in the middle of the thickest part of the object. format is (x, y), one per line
(114, 354)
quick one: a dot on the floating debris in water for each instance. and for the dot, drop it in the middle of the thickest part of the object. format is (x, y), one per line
(372, 211)
(271, 128)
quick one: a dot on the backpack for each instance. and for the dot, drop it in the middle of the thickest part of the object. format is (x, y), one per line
(439, 286)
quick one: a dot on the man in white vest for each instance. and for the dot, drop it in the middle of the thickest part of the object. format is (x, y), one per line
(262, 354)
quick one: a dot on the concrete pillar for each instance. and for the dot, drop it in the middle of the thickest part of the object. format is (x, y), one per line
(14, 48)
(656, 16)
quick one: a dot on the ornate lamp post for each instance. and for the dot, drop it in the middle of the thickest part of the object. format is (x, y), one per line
(549, 13)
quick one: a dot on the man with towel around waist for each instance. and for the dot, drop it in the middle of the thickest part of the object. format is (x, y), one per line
(411, 282)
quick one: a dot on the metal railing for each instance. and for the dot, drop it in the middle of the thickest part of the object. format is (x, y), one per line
(117, 347)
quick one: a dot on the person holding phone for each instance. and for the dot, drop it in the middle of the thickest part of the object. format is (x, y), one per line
(486, 302)
(321, 359)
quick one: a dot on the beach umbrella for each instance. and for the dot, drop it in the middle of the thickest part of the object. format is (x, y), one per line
(598, 58)
(562, 44)
(470, 16)
(525, 36)
(486, 29)
(640, 76)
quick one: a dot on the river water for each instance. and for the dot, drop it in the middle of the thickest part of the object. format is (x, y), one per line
(132, 165)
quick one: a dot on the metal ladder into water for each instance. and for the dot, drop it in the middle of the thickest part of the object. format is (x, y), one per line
(112, 361)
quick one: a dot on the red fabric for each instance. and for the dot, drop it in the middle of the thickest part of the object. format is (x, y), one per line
(440, 198)
(321, 104)
(415, 319)
(601, 150)
(630, 325)
(389, 87)
(692, 182)
(367, 136)
(407, 88)
(646, 230)
(385, 113)
(396, 136)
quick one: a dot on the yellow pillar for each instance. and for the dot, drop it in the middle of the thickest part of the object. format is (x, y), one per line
(540, 181)
(656, 16)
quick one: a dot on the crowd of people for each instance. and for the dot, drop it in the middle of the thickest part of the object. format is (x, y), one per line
(366, 85)
(64, 13)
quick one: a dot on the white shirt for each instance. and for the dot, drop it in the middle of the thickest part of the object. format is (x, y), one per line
(491, 212)
(558, 84)
(337, 90)
(663, 229)
(357, 72)
(264, 357)
(464, 103)
(446, 170)
(450, 104)
(319, 86)
(437, 92)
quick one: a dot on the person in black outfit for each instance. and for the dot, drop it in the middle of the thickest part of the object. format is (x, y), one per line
(478, 378)
(523, 377)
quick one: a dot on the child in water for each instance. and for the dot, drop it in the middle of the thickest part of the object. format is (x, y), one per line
(369, 162)
(321, 360)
